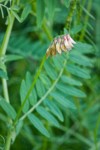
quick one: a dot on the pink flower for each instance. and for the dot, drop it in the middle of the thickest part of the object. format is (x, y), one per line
(68, 41)
(61, 43)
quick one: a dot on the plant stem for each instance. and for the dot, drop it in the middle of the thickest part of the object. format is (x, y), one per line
(30, 89)
(8, 141)
(69, 17)
(46, 94)
(5, 90)
(7, 36)
(3, 49)
(36, 76)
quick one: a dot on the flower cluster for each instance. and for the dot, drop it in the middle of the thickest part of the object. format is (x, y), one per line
(60, 44)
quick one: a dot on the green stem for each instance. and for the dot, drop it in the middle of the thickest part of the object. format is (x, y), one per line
(5, 90)
(8, 141)
(46, 94)
(30, 89)
(3, 49)
(69, 17)
(6, 37)
(36, 76)
(47, 30)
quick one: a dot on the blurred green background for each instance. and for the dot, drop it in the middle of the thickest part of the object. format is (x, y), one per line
(81, 128)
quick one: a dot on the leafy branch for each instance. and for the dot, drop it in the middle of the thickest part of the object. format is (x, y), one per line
(46, 94)
(30, 90)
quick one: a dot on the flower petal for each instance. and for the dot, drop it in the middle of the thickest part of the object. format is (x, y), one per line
(58, 48)
(72, 41)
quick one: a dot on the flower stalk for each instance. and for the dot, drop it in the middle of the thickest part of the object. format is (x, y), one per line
(69, 17)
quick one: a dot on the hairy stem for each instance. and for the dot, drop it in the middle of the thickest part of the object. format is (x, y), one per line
(69, 17)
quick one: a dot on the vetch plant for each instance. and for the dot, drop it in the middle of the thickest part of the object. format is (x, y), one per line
(50, 91)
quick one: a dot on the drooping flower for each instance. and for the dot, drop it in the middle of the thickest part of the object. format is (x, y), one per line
(60, 44)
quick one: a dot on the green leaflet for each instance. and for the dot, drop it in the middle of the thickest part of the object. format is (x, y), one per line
(25, 86)
(66, 31)
(8, 58)
(83, 48)
(33, 95)
(2, 13)
(48, 116)
(50, 5)
(50, 71)
(23, 92)
(3, 74)
(15, 8)
(45, 80)
(81, 60)
(76, 29)
(2, 65)
(70, 90)
(58, 62)
(3, 117)
(90, 26)
(40, 88)
(19, 127)
(59, 97)
(67, 3)
(10, 111)
(88, 13)
(16, 15)
(24, 46)
(70, 81)
(38, 125)
(40, 8)
(78, 71)
(25, 12)
(54, 109)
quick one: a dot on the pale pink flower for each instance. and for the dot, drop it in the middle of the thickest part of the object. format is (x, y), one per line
(61, 43)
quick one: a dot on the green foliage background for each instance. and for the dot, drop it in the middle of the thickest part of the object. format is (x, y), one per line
(70, 113)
